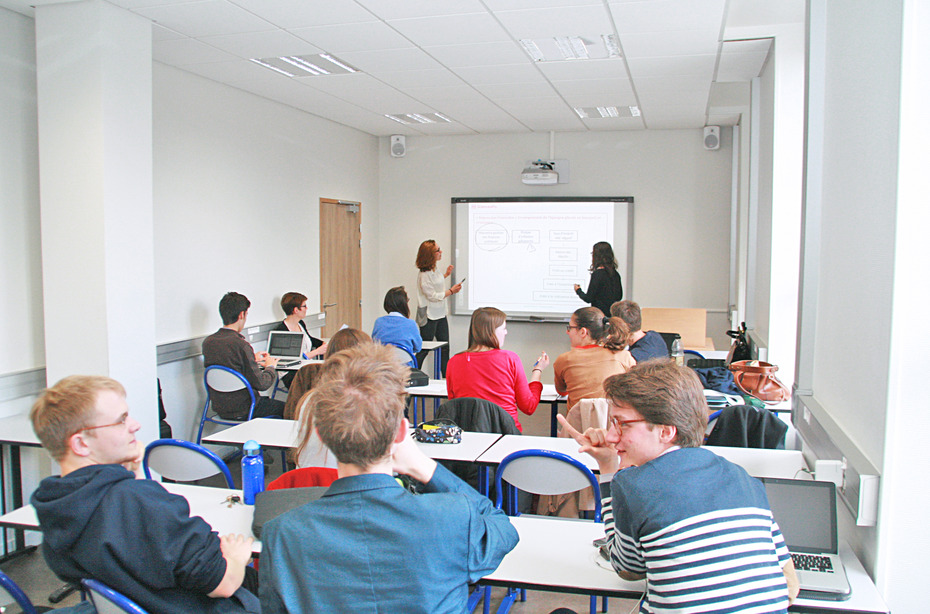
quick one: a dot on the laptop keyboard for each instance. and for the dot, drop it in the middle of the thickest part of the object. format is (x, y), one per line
(812, 562)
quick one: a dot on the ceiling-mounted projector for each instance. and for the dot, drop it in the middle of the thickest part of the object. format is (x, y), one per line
(540, 173)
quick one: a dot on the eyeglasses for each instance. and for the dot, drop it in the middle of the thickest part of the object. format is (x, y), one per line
(622, 424)
(569, 327)
(120, 422)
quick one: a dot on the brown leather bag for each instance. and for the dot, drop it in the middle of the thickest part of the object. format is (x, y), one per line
(757, 379)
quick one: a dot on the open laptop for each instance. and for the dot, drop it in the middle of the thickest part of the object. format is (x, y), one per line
(285, 346)
(806, 514)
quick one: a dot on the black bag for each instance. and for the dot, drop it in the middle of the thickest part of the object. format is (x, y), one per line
(739, 350)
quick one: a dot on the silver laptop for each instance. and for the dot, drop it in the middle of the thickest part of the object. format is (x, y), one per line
(285, 346)
(806, 514)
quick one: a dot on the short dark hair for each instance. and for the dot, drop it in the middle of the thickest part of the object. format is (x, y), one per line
(663, 393)
(426, 255)
(292, 301)
(629, 312)
(396, 300)
(231, 305)
(603, 256)
(358, 403)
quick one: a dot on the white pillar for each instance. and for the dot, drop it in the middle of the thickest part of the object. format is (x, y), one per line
(94, 83)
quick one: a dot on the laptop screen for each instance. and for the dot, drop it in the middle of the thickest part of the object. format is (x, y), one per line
(805, 512)
(285, 344)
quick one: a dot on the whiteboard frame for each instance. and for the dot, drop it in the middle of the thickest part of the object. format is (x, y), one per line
(623, 207)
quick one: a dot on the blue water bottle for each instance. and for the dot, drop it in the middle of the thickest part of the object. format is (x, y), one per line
(253, 471)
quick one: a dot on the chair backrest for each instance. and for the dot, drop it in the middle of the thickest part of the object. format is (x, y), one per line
(222, 379)
(303, 477)
(478, 415)
(108, 601)
(403, 354)
(183, 461)
(10, 588)
(546, 472)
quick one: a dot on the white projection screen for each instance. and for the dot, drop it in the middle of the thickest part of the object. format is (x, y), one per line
(523, 255)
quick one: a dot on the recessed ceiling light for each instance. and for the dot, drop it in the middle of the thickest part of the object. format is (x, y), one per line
(562, 48)
(419, 118)
(306, 65)
(605, 112)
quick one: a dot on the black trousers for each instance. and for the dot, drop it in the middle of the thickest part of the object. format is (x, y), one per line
(435, 330)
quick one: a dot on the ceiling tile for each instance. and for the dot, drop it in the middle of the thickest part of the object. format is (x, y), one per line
(516, 5)
(666, 15)
(410, 79)
(505, 73)
(546, 123)
(451, 29)
(516, 90)
(161, 33)
(597, 93)
(290, 14)
(271, 43)
(439, 96)
(366, 92)
(392, 9)
(674, 65)
(614, 123)
(583, 69)
(386, 60)
(478, 54)
(589, 22)
(679, 42)
(183, 51)
(205, 18)
(338, 39)
(235, 72)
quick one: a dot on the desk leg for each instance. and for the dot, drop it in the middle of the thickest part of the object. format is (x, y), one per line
(16, 488)
(437, 363)
(553, 422)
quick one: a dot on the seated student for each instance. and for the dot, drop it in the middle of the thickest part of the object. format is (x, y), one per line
(310, 451)
(487, 371)
(396, 328)
(294, 305)
(99, 521)
(643, 345)
(696, 526)
(369, 545)
(598, 351)
(228, 348)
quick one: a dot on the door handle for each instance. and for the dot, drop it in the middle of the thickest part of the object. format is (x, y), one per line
(325, 305)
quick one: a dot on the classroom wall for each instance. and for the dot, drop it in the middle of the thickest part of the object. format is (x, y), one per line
(681, 212)
(237, 184)
(21, 322)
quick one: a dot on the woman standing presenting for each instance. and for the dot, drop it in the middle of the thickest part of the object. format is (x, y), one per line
(605, 288)
(431, 295)
(487, 371)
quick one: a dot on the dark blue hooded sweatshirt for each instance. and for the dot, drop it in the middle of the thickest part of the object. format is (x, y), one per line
(136, 537)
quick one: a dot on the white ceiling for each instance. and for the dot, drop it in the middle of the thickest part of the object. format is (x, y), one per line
(463, 59)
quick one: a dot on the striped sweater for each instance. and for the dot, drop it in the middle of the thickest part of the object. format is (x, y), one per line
(700, 530)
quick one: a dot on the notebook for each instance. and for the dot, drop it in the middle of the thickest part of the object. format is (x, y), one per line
(285, 346)
(806, 514)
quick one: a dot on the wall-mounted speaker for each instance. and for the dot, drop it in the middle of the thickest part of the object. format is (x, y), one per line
(711, 137)
(398, 145)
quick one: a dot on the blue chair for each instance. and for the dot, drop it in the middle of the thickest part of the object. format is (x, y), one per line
(108, 601)
(183, 461)
(403, 354)
(12, 589)
(223, 379)
(541, 472)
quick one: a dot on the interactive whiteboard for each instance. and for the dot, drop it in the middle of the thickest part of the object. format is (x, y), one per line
(524, 255)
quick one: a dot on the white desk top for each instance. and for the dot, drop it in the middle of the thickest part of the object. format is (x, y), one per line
(471, 447)
(17, 430)
(509, 444)
(433, 345)
(556, 554)
(437, 388)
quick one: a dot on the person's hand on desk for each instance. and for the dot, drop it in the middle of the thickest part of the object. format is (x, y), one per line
(269, 362)
(237, 550)
(598, 443)
(409, 460)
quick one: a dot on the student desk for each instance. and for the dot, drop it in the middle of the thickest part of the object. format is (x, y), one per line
(436, 389)
(435, 348)
(15, 432)
(555, 554)
(207, 502)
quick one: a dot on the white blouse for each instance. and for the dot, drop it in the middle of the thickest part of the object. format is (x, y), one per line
(431, 293)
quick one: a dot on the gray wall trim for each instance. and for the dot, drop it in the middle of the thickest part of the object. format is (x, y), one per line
(22, 384)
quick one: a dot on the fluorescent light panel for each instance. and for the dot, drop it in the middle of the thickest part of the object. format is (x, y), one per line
(419, 118)
(606, 112)
(563, 48)
(307, 65)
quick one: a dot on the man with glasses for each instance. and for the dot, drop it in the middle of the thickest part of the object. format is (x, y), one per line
(100, 522)
(696, 526)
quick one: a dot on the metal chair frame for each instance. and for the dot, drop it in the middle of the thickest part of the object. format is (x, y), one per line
(21, 599)
(108, 601)
(223, 383)
(192, 448)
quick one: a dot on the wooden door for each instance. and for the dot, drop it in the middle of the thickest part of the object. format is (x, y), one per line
(340, 264)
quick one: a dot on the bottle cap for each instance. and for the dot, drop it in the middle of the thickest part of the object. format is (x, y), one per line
(251, 447)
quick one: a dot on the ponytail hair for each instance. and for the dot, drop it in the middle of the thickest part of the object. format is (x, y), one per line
(611, 333)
